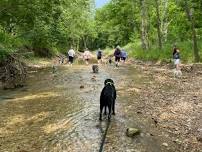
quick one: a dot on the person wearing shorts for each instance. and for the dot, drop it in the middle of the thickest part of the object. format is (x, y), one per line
(71, 54)
(99, 55)
(176, 57)
(117, 55)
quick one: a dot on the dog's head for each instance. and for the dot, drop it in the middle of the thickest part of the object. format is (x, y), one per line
(109, 81)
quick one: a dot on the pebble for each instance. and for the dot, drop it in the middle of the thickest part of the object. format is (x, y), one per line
(165, 144)
(81, 87)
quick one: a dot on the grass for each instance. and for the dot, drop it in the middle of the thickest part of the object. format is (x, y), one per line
(154, 54)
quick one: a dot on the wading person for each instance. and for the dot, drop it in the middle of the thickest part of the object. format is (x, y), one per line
(123, 55)
(176, 58)
(99, 55)
(71, 54)
(87, 56)
(117, 55)
(174, 51)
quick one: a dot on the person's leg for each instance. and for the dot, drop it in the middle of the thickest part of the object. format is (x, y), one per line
(118, 60)
(69, 60)
(124, 60)
(177, 64)
(87, 61)
(72, 59)
(177, 67)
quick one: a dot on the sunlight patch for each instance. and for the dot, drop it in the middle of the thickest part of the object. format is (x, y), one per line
(15, 120)
(37, 96)
(39, 117)
(56, 126)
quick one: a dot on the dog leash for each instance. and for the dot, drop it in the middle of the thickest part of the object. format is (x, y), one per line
(104, 137)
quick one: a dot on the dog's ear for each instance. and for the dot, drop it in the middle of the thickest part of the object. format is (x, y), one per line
(105, 82)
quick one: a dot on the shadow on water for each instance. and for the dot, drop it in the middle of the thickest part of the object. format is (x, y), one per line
(52, 113)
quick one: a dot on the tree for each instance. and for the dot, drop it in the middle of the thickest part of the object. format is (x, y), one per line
(190, 14)
(158, 24)
(144, 25)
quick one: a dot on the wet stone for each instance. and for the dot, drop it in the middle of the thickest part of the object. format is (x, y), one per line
(82, 86)
(177, 141)
(199, 139)
(165, 144)
(131, 132)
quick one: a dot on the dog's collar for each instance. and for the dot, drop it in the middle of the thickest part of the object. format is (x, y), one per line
(110, 83)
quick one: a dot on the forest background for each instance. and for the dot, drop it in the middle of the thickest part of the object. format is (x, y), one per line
(147, 29)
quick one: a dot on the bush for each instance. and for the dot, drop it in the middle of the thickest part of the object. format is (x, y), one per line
(154, 54)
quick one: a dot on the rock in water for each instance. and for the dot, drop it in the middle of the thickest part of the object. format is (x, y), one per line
(82, 86)
(131, 132)
(165, 144)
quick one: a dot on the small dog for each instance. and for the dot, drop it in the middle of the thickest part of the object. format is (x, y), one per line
(95, 68)
(107, 98)
(177, 73)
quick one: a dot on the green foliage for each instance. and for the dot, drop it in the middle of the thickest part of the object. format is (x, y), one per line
(8, 44)
(134, 50)
(46, 26)
(122, 22)
(51, 26)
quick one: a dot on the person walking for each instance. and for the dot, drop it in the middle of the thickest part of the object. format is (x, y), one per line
(117, 55)
(176, 57)
(99, 55)
(86, 56)
(71, 54)
(123, 55)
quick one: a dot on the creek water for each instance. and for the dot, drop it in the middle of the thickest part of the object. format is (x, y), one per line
(53, 113)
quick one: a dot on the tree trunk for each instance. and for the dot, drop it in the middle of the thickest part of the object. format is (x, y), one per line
(78, 44)
(158, 24)
(84, 42)
(164, 21)
(144, 26)
(194, 38)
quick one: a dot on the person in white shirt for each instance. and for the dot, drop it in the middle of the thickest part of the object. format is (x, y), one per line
(71, 54)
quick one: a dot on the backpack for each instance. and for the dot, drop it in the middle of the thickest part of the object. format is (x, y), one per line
(117, 53)
(99, 54)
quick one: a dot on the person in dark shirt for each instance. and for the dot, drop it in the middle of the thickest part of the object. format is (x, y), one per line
(117, 55)
(99, 55)
(176, 57)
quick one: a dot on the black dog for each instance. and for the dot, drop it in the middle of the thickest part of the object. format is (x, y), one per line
(107, 98)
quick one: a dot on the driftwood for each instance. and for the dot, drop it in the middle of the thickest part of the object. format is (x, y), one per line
(12, 72)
